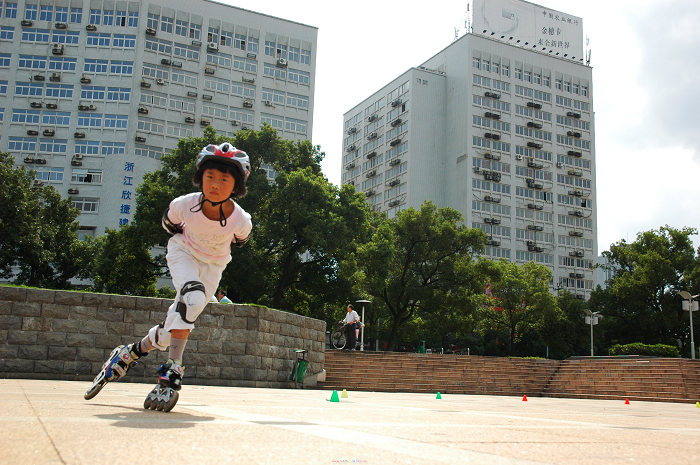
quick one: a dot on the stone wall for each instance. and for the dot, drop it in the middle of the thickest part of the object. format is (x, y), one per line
(46, 334)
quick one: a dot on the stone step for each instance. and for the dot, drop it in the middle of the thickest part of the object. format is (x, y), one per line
(647, 379)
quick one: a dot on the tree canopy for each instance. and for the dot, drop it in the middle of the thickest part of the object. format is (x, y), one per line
(641, 302)
(37, 230)
(415, 257)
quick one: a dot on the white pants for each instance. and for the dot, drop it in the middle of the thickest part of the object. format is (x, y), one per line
(184, 268)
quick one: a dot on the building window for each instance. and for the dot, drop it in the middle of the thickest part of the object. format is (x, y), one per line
(227, 38)
(76, 15)
(49, 174)
(86, 204)
(166, 24)
(195, 31)
(62, 14)
(7, 33)
(30, 12)
(11, 10)
(121, 18)
(108, 17)
(116, 121)
(46, 13)
(35, 35)
(86, 176)
(152, 21)
(95, 16)
(133, 19)
(476, 63)
(89, 120)
(270, 48)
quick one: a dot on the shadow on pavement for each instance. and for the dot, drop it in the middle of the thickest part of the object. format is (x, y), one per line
(132, 417)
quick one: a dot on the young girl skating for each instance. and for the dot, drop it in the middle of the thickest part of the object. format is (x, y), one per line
(204, 225)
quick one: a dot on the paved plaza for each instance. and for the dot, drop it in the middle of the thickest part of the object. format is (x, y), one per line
(49, 422)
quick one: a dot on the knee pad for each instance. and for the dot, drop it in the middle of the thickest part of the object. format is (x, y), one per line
(159, 337)
(192, 301)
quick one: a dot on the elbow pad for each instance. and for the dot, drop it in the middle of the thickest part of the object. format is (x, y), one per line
(169, 226)
(239, 242)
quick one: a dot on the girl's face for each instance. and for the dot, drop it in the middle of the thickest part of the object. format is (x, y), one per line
(216, 185)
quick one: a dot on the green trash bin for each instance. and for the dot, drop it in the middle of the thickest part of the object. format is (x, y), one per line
(299, 369)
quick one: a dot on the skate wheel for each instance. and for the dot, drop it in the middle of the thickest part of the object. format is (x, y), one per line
(160, 406)
(147, 403)
(94, 390)
(171, 403)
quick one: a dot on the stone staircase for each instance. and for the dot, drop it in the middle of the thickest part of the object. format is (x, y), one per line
(656, 379)
(408, 372)
(653, 379)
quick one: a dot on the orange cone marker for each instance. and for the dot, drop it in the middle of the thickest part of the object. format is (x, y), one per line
(627, 401)
(525, 398)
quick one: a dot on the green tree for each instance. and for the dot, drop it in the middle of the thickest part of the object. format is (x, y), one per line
(414, 262)
(521, 308)
(19, 210)
(641, 302)
(575, 334)
(305, 230)
(122, 263)
(37, 230)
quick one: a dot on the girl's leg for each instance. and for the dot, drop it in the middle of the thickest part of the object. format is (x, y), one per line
(178, 341)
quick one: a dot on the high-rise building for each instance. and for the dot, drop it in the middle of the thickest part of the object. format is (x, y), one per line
(92, 93)
(498, 125)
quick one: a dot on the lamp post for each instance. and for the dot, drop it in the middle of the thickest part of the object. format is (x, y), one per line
(592, 318)
(690, 306)
(362, 329)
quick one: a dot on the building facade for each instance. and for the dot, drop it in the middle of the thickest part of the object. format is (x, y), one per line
(92, 93)
(500, 131)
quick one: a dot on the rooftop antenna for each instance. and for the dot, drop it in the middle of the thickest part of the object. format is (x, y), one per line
(588, 52)
(467, 22)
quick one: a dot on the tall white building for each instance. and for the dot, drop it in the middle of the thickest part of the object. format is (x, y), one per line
(498, 125)
(93, 92)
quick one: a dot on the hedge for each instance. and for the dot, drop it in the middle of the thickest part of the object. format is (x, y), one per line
(637, 348)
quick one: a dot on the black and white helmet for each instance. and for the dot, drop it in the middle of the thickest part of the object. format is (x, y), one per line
(225, 153)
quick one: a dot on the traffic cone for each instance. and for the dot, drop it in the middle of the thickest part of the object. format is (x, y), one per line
(525, 398)
(697, 404)
(334, 397)
(438, 396)
(344, 394)
(627, 401)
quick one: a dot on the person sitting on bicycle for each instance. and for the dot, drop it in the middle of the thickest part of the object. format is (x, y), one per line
(350, 320)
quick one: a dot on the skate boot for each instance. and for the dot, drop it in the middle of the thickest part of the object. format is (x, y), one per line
(164, 396)
(114, 368)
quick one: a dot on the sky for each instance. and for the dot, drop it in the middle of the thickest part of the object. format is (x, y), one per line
(645, 57)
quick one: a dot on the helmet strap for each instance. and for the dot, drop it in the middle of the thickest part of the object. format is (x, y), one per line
(222, 217)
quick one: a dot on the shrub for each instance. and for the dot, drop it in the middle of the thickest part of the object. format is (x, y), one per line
(637, 348)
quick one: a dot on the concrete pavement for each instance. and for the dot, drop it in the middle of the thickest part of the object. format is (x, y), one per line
(48, 422)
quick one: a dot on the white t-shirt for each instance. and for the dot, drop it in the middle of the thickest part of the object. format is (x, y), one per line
(350, 317)
(207, 239)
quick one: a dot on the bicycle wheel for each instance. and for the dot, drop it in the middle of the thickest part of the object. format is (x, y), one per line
(338, 339)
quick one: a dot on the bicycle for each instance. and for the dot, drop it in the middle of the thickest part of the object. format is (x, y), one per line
(338, 340)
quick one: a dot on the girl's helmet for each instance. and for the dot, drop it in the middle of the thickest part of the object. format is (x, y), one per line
(225, 153)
